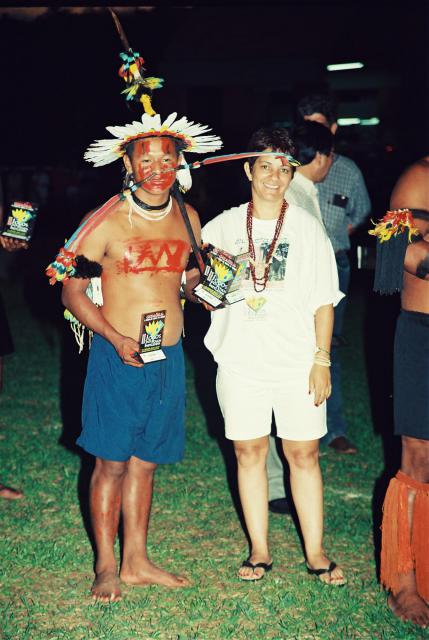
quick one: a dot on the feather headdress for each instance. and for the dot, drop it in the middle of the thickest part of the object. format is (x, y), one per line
(191, 136)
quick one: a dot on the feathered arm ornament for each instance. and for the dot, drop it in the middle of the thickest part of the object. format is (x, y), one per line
(394, 232)
(394, 223)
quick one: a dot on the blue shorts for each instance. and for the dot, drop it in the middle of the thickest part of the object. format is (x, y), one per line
(129, 411)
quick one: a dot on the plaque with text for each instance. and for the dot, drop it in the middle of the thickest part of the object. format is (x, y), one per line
(152, 331)
(20, 221)
(219, 273)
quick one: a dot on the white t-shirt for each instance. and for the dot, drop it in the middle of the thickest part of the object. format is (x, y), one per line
(303, 192)
(272, 333)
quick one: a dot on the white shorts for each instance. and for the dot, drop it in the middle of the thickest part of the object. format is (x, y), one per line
(247, 407)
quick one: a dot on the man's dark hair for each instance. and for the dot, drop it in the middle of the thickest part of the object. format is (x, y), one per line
(310, 138)
(318, 103)
(178, 145)
(275, 138)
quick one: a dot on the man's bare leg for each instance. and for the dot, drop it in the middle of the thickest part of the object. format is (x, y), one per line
(407, 604)
(136, 567)
(307, 491)
(105, 504)
(253, 488)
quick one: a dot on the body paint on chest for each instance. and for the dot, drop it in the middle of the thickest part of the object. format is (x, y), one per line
(153, 255)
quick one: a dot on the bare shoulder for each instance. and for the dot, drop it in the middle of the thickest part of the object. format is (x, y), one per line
(110, 210)
(100, 230)
(411, 190)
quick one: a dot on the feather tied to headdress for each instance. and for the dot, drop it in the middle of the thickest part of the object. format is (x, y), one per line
(138, 87)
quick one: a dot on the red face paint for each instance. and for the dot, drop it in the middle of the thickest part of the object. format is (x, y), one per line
(153, 255)
(283, 160)
(153, 156)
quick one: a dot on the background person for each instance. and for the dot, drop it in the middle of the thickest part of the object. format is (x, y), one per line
(344, 205)
(6, 342)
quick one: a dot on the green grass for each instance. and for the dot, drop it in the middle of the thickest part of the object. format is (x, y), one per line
(46, 558)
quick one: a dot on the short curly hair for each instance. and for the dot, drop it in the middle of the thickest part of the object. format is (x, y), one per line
(275, 138)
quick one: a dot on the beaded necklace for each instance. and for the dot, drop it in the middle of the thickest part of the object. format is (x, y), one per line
(261, 270)
(147, 214)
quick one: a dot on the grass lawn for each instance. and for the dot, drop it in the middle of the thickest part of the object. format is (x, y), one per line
(47, 560)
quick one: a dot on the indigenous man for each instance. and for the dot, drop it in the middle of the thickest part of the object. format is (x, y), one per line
(133, 414)
(404, 555)
(273, 349)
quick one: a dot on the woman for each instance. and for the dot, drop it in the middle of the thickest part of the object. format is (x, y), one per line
(273, 349)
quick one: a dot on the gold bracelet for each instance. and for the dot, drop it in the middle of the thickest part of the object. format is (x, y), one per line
(324, 350)
(322, 362)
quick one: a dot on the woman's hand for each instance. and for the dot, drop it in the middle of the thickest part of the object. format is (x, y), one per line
(320, 383)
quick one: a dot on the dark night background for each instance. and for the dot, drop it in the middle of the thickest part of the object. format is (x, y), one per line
(233, 67)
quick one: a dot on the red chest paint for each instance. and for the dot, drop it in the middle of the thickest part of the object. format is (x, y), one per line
(141, 256)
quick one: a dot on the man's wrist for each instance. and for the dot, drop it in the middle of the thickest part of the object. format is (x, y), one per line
(110, 334)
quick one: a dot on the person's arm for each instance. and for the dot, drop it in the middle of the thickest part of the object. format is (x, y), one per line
(320, 375)
(193, 277)
(75, 300)
(360, 204)
(193, 274)
(417, 259)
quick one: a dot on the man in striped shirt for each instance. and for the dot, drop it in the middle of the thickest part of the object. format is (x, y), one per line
(344, 205)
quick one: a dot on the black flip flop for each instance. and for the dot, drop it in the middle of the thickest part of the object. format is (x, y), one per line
(321, 572)
(257, 565)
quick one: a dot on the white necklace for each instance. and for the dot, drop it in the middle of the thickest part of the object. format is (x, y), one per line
(147, 215)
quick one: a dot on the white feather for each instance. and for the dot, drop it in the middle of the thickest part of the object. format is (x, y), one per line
(105, 151)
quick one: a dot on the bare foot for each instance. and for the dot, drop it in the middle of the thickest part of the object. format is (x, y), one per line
(106, 586)
(144, 572)
(334, 576)
(247, 572)
(10, 494)
(408, 605)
